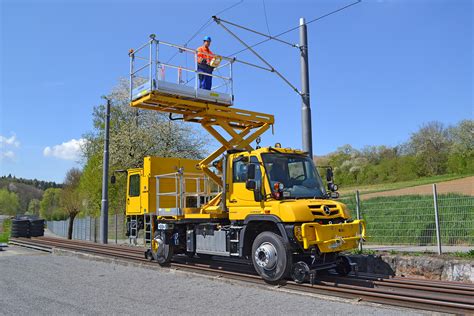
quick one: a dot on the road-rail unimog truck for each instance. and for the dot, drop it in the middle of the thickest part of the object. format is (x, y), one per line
(267, 205)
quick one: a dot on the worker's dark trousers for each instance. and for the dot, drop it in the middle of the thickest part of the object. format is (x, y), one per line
(205, 82)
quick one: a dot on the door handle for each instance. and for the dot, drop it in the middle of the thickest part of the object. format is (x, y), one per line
(233, 201)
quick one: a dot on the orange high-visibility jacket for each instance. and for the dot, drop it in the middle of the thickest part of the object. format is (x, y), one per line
(204, 53)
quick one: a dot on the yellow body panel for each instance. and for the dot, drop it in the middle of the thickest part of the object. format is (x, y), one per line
(145, 203)
(333, 237)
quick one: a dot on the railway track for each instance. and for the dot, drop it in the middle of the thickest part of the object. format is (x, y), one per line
(439, 296)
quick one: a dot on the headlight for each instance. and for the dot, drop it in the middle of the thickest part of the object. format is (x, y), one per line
(278, 186)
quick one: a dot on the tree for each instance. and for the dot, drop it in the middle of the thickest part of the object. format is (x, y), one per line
(70, 198)
(9, 202)
(134, 134)
(50, 208)
(33, 207)
(430, 145)
(461, 156)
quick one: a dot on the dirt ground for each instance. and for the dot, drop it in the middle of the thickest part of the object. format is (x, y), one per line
(461, 186)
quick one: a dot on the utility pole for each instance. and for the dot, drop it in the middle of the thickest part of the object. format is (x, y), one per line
(104, 210)
(305, 105)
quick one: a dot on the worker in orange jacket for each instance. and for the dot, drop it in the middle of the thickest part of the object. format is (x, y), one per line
(204, 57)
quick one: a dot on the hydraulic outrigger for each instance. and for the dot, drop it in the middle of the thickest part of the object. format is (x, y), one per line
(272, 207)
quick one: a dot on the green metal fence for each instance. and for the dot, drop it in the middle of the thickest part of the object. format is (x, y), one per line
(411, 219)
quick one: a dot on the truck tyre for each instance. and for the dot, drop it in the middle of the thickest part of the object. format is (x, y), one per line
(161, 252)
(271, 258)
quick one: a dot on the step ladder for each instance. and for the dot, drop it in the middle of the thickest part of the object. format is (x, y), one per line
(234, 240)
(133, 229)
(147, 230)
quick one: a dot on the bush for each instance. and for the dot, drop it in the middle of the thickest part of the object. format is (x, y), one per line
(5, 233)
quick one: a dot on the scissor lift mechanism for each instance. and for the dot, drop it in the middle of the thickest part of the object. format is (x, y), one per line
(242, 126)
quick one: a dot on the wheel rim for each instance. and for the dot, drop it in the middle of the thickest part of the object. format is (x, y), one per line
(156, 245)
(266, 256)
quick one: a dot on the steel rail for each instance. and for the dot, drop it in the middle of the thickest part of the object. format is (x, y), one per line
(416, 298)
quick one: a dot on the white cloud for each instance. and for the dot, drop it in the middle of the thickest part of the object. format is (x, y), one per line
(7, 145)
(70, 150)
(9, 141)
(7, 155)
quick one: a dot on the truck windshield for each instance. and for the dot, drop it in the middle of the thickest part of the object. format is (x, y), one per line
(297, 173)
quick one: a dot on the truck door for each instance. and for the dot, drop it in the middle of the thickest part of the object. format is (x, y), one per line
(133, 193)
(240, 200)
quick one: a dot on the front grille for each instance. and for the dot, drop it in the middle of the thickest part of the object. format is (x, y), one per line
(321, 213)
(314, 206)
(318, 209)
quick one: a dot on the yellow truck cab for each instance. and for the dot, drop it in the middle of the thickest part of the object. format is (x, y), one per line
(273, 210)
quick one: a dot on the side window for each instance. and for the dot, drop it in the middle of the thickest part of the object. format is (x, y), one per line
(134, 182)
(239, 171)
(258, 172)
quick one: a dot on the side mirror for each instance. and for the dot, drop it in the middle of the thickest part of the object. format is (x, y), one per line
(251, 185)
(112, 179)
(329, 174)
(251, 172)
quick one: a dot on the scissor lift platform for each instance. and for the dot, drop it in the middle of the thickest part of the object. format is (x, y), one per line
(211, 108)
(201, 111)
(182, 92)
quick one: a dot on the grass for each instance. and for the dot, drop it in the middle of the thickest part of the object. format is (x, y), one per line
(5, 234)
(410, 220)
(373, 188)
(464, 255)
(454, 255)
(362, 252)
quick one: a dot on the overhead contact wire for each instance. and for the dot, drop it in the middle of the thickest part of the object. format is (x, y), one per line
(266, 18)
(297, 27)
(204, 26)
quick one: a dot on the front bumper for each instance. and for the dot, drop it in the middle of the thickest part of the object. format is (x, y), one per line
(333, 237)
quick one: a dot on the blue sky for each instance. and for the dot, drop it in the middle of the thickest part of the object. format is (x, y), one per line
(378, 70)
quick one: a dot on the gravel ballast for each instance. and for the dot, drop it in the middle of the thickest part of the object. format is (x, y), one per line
(40, 284)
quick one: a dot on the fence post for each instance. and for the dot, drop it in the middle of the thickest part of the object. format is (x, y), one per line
(115, 227)
(438, 235)
(358, 214)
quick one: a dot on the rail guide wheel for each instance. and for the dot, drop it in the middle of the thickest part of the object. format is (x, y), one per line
(300, 271)
(344, 266)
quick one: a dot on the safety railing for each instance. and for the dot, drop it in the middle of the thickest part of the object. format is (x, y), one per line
(173, 69)
(182, 186)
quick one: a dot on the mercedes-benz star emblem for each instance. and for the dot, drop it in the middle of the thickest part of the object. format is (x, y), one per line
(327, 210)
